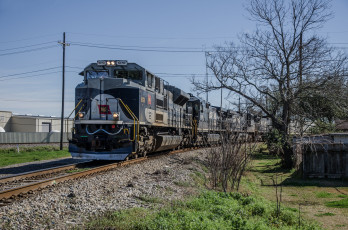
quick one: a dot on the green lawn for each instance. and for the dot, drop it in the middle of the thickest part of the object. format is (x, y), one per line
(28, 154)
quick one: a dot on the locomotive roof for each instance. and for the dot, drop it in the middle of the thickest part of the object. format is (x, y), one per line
(96, 66)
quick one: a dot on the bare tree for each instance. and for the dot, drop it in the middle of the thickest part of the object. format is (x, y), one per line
(281, 64)
(228, 162)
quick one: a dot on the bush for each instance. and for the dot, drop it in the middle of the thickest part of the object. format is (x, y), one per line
(258, 210)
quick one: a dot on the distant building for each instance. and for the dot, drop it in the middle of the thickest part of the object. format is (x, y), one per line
(5, 117)
(341, 125)
(10, 122)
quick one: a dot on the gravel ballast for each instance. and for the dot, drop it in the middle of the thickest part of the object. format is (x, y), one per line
(73, 203)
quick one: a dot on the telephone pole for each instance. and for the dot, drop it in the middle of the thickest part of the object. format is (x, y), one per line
(63, 88)
(206, 74)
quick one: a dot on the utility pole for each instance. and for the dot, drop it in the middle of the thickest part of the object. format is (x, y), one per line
(300, 64)
(221, 109)
(240, 88)
(63, 88)
(300, 80)
(206, 74)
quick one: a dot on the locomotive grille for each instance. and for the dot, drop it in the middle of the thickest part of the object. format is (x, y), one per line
(159, 102)
(159, 117)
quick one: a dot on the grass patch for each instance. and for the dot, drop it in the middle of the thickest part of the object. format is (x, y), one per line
(338, 204)
(325, 214)
(77, 170)
(125, 219)
(210, 210)
(323, 194)
(10, 156)
(198, 178)
(182, 184)
(150, 199)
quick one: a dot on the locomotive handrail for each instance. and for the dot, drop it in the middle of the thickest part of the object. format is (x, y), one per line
(134, 118)
(194, 124)
(67, 122)
(79, 111)
(75, 108)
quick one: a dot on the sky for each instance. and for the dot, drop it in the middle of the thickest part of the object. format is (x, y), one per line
(31, 58)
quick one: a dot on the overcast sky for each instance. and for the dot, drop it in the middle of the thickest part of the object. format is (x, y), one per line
(31, 59)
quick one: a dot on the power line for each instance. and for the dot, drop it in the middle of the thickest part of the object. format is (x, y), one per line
(150, 37)
(142, 50)
(141, 47)
(182, 74)
(8, 79)
(35, 71)
(31, 38)
(18, 100)
(74, 67)
(30, 50)
(28, 46)
(339, 43)
(30, 76)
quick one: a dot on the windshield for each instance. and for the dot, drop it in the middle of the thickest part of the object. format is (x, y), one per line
(129, 74)
(97, 74)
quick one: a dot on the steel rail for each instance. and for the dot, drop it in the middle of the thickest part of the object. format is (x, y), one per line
(36, 173)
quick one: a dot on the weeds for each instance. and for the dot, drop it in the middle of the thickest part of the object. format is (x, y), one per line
(210, 210)
(325, 214)
(149, 199)
(182, 183)
(323, 194)
(77, 170)
(338, 204)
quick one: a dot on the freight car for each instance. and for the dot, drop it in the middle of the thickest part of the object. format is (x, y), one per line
(124, 111)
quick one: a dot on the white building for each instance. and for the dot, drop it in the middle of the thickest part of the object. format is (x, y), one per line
(29, 123)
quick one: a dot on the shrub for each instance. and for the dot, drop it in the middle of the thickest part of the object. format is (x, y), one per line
(258, 210)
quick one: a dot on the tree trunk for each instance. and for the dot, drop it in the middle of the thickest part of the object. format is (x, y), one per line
(287, 156)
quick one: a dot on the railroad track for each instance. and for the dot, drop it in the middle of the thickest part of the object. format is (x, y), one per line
(17, 190)
(36, 173)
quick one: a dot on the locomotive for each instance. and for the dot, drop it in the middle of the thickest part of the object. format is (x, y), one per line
(124, 111)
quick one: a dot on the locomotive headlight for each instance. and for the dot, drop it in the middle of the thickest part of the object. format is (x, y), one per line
(110, 63)
(81, 115)
(115, 115)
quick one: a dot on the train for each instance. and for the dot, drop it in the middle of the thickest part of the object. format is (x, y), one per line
(125, 111)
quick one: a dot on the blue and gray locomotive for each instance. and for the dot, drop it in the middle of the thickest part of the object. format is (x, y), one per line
(125, 111)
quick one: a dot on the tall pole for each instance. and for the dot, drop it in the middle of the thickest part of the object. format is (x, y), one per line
(221, 109)
(206, 74)
(300, 83)
(63, 87)
(300, 64)
(240, 88)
